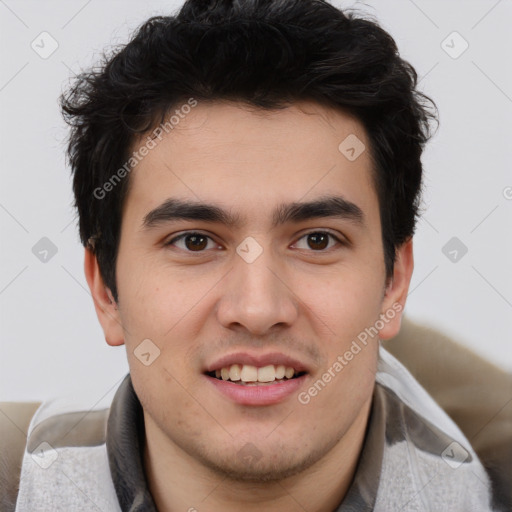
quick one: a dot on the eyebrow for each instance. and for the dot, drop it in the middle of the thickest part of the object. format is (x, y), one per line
(323, 207)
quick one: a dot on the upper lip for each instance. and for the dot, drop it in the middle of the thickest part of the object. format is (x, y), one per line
(259, 360)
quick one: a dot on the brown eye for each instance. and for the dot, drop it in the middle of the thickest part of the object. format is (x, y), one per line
(319, 240)
(196, 242)
(192, 242)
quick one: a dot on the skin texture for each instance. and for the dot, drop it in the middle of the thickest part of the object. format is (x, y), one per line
(294, 298)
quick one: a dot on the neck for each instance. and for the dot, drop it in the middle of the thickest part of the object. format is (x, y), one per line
(178, 481)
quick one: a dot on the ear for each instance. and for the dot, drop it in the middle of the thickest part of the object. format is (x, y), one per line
(396, 291)
(106, 308)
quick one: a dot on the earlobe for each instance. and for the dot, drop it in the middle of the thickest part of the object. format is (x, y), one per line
(104, 303)
(396, 292)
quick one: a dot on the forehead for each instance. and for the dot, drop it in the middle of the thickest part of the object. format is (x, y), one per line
(248, 160)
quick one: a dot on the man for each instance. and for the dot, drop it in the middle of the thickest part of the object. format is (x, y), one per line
(247, 177)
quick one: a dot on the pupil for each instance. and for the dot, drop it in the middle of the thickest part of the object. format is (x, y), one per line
(316, 237)
(194, 239)
(317, 241)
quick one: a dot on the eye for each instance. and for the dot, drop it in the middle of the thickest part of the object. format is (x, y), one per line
(319, 240)
(193, 241)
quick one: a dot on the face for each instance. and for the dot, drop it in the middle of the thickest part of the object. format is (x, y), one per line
(280, 286)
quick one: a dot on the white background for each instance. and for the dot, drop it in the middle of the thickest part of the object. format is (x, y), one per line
(51, 341)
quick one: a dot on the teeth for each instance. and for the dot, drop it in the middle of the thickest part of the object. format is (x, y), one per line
(250, 373)
(267, 373)
(289, 373)
(234, 372)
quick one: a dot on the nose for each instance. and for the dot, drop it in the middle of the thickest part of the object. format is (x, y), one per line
(257, 295)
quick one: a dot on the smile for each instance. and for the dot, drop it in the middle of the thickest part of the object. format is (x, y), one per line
(256, 393)
(246, 374)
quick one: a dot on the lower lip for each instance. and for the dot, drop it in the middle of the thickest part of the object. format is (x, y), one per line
(258, 395)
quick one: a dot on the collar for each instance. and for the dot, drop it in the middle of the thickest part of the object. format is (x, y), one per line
(126, 437)
(125, 445)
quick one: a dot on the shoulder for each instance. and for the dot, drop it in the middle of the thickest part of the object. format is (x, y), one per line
(43, 442)
(15, 419)
(472, 391)
(427, 458)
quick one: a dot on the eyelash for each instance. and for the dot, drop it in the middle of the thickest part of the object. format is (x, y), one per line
(187, 233)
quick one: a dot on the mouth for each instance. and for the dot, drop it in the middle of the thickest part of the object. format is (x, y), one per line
(250, 375)
(256, 386)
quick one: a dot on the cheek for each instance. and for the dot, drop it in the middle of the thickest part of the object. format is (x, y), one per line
(159, 395)
(346, 300)
(155, 307)
(345, 309)
(153, 297)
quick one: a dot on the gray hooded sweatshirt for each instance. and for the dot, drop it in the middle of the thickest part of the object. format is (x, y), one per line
(414, 458)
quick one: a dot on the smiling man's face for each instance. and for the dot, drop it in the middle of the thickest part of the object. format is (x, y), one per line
(296, 285)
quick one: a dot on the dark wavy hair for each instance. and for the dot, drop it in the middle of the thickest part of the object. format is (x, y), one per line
(266, 53)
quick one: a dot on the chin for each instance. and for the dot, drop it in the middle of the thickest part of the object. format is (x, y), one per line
(259, 472)
(251, 465)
